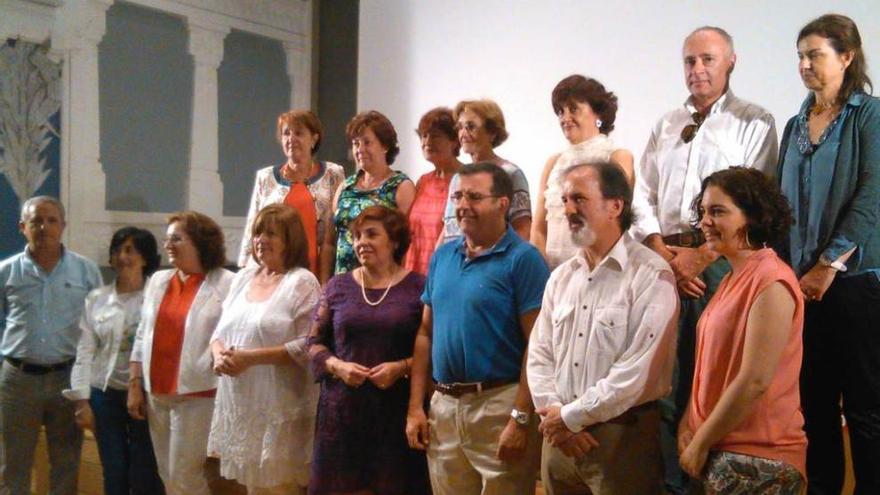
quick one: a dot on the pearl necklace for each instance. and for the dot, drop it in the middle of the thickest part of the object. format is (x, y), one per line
(364, 288)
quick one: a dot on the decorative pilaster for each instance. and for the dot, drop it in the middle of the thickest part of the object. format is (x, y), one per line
(79, 27)
(205, 189)
(299, 70)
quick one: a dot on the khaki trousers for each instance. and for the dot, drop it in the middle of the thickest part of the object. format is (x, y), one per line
(464, 440)
(627, 460)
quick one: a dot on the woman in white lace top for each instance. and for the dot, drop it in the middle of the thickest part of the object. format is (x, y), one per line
(264, 412)
(586, 112)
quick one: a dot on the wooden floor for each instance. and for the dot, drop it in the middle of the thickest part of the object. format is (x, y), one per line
(90, 481)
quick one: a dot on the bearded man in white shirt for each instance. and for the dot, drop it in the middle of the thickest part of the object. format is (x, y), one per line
(603, 347)
(711, 131)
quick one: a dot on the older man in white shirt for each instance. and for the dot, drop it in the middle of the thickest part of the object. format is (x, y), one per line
(711, 131)
(602, 350)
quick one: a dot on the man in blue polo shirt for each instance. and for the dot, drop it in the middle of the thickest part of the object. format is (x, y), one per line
(482, 296)
(42, 295)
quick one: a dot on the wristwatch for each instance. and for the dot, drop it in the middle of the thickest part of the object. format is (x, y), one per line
(521, 418)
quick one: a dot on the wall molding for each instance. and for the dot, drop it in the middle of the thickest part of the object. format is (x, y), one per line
(74, 28)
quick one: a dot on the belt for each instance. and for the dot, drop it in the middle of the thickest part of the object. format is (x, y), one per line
(691, 238)
(630, 416)
(38, 369)
(459, 389)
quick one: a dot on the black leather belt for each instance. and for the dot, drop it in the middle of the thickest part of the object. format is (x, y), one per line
(692, 239)
(459, 389)
(38, 369)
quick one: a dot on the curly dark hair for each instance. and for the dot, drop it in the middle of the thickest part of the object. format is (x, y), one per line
(381, 127)
(768, 214)
(206, 235)
(395, 223)
(577, 88)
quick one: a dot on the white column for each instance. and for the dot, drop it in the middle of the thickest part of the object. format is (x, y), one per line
(79, 27)
(205, 189)
(299, 70)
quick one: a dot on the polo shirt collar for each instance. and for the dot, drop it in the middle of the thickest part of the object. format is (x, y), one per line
(502, 245)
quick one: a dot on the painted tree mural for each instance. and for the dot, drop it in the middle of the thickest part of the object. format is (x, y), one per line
(30, 86)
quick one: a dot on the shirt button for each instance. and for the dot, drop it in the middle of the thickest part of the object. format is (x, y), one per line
(575, 364)
(584, 306)
(590, 279)
(651, 335)
(580, 334)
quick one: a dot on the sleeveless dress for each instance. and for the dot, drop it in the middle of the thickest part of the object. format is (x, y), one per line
(559, 245)
(352, 201)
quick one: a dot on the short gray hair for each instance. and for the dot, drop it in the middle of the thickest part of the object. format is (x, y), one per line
(717, 30)
(33, 202)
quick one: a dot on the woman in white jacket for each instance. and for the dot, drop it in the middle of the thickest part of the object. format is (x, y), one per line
(264, 415)
(99, 379)
(171, 359)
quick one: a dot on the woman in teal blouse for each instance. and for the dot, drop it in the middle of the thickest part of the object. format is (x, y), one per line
(829, 169)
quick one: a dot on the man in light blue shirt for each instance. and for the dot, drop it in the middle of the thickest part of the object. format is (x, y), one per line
(42, 295)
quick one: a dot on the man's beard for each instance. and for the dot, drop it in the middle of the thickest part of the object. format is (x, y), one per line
(584, 236)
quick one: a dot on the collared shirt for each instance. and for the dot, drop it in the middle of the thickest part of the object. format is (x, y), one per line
(734, 133)
(834, 187)
(605, 339)
(477, 304)
(39, 311)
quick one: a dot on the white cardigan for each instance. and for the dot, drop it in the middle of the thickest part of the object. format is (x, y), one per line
(196, 372)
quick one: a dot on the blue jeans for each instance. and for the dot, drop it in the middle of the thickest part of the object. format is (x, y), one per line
(124, 446)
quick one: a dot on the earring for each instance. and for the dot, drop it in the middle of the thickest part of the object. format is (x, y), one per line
(598, 123)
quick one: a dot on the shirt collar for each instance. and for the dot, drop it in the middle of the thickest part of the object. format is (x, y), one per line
(35, 266)
(619, 254)
(717, 107)
(502, 245)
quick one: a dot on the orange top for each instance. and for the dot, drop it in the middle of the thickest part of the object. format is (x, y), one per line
(774, 430)
(300, 199)
(168, 334)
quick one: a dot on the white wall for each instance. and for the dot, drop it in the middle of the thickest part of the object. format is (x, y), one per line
(417, 54)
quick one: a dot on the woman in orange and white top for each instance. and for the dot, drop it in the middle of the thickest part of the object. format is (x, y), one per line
(301, 182)
(743, 429)
(181, 309)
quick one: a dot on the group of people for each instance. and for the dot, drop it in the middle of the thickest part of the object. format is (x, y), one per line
(708, 317)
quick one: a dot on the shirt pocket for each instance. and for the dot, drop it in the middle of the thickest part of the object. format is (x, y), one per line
(70, 299)
(561, 318)
(610, 325)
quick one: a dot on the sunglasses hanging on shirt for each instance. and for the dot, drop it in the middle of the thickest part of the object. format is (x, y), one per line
(689, 132)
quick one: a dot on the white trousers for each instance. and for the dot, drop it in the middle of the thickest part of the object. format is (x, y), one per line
(179, 427)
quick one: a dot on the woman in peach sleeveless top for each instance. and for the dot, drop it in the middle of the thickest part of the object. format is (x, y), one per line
(743, 430)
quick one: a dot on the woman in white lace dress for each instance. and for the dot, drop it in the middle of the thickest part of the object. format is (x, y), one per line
(586, 112)
(264, 413)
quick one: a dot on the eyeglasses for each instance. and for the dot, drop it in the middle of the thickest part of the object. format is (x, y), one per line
(470, 127)
(689, 132)
(472, 197)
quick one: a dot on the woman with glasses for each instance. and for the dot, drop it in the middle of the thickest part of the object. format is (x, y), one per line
(481, 129)
(172, 382)
(829, 169)
(586, 112)
(374, 148)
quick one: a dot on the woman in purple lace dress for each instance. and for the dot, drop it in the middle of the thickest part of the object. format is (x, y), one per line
(361, 346)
